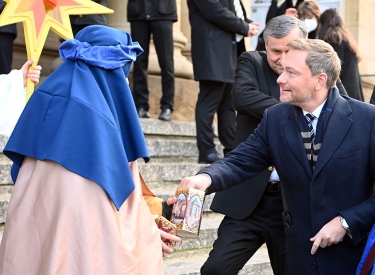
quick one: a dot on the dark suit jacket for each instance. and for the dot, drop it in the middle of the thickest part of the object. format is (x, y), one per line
(214, 25)
(255, 89)
(151, 10)
(9, 29)
(341, 183)
(91, 19)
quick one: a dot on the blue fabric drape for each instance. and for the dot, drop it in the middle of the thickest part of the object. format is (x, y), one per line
(83, 115)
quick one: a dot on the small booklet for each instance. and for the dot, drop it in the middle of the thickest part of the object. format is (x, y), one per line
(187, 212)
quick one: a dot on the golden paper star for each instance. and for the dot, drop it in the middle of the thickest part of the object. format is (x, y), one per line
(39, 16)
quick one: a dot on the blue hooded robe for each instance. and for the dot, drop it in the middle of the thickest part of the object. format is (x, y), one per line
(83, 115)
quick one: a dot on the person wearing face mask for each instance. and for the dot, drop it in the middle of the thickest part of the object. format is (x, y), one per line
(309, 12)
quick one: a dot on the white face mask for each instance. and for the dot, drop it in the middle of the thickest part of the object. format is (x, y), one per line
(311, 24)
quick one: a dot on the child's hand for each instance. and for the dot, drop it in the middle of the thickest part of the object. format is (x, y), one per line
(33, 74)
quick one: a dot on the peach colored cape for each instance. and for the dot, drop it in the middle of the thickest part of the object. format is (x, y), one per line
(59, 223)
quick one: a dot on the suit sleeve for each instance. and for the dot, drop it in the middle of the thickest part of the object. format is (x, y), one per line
(222, 17)
(243, 163)
(360, 218)
(247, 95)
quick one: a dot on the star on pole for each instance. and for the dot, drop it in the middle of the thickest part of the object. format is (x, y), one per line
(39, 16)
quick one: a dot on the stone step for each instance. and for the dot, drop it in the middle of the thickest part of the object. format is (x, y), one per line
(161, 149)
(167, 174)
(157, 175)
(207, 233)
(4, 201)
(3, 141)
(189, 262)
(169, 128)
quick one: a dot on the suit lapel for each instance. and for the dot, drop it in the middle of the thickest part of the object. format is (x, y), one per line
(338, 126)
(293, 136)
(271, 77)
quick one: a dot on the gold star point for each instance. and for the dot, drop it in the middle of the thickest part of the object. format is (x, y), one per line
(39, 16)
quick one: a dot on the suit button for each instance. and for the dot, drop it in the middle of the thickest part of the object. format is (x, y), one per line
(233, 42)
(147, 16)
(314, 265)
(270, 168)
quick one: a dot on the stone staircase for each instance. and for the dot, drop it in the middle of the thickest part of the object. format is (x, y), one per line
(172, 146)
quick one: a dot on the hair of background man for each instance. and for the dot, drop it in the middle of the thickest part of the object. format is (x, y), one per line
(282, 25)
(321, 58)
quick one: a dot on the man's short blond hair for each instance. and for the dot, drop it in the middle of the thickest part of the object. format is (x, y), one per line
(321, 58)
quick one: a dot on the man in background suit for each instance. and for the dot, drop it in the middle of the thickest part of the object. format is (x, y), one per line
(154, 17)
(217, 31)
(322, 147)
(80, 22)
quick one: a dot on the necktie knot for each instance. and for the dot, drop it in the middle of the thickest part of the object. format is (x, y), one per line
(309, 118)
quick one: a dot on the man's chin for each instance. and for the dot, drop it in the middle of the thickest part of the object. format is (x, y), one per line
(284, 99)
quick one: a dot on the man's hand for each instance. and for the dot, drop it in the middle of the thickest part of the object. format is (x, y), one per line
(292, 12)
(331, 233)
(253, 29)
(200, 182)
(33, 74)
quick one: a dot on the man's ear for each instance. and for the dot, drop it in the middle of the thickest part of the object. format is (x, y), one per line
(321, 81)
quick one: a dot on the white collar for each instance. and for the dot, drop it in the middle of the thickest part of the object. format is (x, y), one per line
(317, 111)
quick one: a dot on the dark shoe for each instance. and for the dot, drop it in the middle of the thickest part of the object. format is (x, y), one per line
(210, 158)
(142, 113)
(166, 115)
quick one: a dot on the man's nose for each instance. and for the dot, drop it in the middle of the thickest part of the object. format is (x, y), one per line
(281, 79)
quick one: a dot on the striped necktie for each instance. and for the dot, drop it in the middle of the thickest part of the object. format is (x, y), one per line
(310, 151)
(238, 9)
(309, 119)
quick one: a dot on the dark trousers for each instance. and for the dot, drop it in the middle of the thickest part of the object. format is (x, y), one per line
(163, 40)
(6, 52)
(215, 97)
(238, 240)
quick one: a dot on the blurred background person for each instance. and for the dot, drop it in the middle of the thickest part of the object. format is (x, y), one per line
(81, 21)
(333, 31)
(7, 34)
(217, 31)
(153, 17)
(309, 12)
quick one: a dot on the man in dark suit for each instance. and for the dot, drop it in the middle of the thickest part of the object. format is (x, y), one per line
(217, 31)
(154, 17)
(322, 147)
(253, 209)
(7, 34)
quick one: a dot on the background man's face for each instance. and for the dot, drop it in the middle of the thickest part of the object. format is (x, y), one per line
(276, 49)
(296, 82)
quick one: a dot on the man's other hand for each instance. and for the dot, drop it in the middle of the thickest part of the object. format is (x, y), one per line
(331, 233)
(253, 28)
(200, 182)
